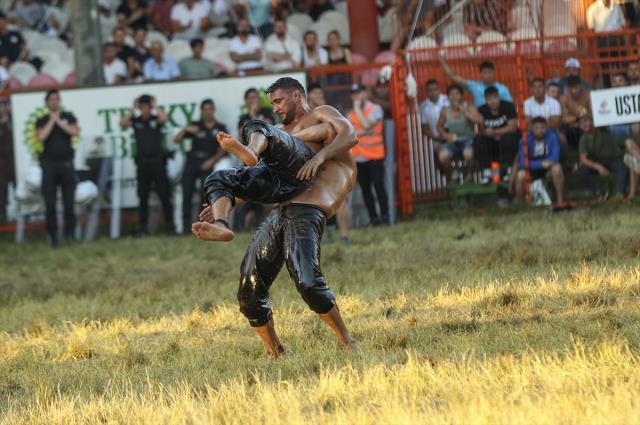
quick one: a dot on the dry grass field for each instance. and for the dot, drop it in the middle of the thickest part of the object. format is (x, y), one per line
(506, 317)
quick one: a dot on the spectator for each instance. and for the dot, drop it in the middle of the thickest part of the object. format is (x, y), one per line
(259, 14)
(632, 159)
(543, 148)
(498, 138)
(315, 95)
(477, 88)
(574, 104)
(606, 16)
(133, 14)
(147, 121)
(312, 53)
(160, 16)
(114, 70)
(254, 110)
(430, 113)
(337, 53)
(571, 68)
(456, 126)
(158, 67)
(245, 48)
(542, 105)
(318, 7)
(487, 15)
(196, 67)
(282, 52)
(633, 73)
(137, 56)
(118, 38)
(599, 155)
(104, 7)
(190, 19)
(12, 46)
(6, 156)
(620, 132)
(366, 117)
(205, 152)
(56, 130)
(553, 91)
(34, 15)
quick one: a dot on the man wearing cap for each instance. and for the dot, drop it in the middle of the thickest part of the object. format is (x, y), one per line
(366, 117)
(571, 68)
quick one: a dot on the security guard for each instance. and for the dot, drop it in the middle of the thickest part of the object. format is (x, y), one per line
(150, 158)
(55, 130)
(204, 154)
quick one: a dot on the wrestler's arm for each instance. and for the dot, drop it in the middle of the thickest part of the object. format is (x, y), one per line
(343, 142)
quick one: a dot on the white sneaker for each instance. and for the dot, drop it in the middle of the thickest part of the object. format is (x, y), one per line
(632, 162)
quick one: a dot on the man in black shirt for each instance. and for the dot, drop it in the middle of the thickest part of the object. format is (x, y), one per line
(150, 158)
(498, 135)
(205, 152)
(55, 130)
(118, 35)
(12, 45)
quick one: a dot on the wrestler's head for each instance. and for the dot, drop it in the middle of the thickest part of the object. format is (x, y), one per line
(287, 95)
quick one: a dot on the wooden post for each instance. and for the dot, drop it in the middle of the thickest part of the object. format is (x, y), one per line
(86, 40)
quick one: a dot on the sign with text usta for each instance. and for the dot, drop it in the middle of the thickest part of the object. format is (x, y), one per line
(616, 106)
(98, 111)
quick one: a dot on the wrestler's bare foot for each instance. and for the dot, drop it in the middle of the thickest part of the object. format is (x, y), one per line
(212, 232)
(234, 147)
(350, 344)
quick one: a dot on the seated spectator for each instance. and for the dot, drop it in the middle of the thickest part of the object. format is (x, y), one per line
(632, 159)
(132, 14)
(571, 69)
(137, 56)
(605, 16)
(114, 70)
(575, 103)
(12, 46)
(190, 19)
(160, 16)
(498, 138)
(196, 66)
(282, 52)
(318, 7)
(245, 48)
(543, 149)
(620, 132)
(158, 67)
(553, 91)
(480, 16)
(477, 88)
(633, 73)
(337, 53)
(430, 113)
(315, 96)
(254, 110)
(313, 54)
(600, 155)
(123, 50)
(542, 105)
(456, 126)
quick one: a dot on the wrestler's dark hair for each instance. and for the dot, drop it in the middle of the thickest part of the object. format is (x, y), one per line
(286, 83)
(207, 102)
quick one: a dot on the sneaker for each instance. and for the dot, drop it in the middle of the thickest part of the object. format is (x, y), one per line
(632, 162)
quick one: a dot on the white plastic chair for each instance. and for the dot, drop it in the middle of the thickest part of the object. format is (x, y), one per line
(301, 20)
(422, 42)
(498, 40)
(386, 26)
(457, 46)
(23, 71)
(343, 8)
(178, 49)
(157, 36)
(336, 21)
(57, 69)
(294, 32)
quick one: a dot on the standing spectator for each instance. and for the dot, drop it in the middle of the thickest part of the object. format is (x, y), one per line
(160, 68)
(160, 16)
(133, 14)
(366, 117)
(12, 46)
(575, 103)
(430, 111)
(632, 159)
(190, 19)
(543, 150)
(633, 73)
(254, 110)
(553, 91)
(542, 105)
(6, 156)
(571, 69)
(196, 66)
(600, 155)
(456, 126)
(606, 16)
(205, 152)
(480, 16)
(113, 69)
(55, 130)
(338, 54)
(118, 39)
(477, 88)
(498, 138)
(312, 53)
(282, 51)
(147, 121)
(245, 48)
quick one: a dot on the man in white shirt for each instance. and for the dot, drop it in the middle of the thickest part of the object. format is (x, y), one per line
(282, 52)
(541, 105)
(245, 48)
(312, 53)
(430, 110)
(190, 19)
(604, 16)
(114, 70)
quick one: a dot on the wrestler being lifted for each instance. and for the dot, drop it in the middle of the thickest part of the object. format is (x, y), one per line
(309, 194)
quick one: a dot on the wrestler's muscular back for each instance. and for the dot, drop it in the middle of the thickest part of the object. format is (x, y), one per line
(336, 177)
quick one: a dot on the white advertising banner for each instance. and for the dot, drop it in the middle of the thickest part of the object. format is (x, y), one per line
(98, 111)
(616, 106)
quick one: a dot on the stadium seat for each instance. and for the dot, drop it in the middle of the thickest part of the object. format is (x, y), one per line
(386, 26)
(385, 57)
(14, 83)
(42, 81)
(333, 16)
(70, 80)
(358, 59)
(46, 55)
(217, 51)
(526, 47)
(492, 43)
(107, 25)
(57, 69)
(336, 21)
(157, 36)
(370, 78)
(422, 42)
(523, 19)
(178, 49)
(295, 33)
(23, 71)
(301, 20)
(32, 38)
(457, 46)
(52, 44)
(343, 8)
(492, 50)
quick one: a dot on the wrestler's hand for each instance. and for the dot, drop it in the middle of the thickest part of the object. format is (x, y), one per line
(206, 214)
(310, 169)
